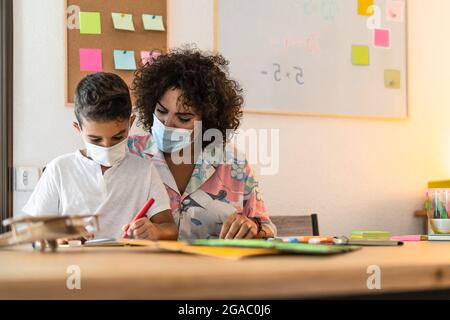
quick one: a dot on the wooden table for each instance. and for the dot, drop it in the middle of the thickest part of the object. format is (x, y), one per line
(145, 273)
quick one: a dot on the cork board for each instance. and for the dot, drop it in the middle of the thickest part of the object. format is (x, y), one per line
(110, 38)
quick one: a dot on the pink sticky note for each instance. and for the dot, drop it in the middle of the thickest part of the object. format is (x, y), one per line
(382, 38)
(148, 55)
(406, 238)
(91, 60)
(395, 10)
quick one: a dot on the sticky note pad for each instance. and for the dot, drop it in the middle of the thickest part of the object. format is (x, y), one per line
(363, 7)
(123, 21)
(124, 60)
(90, 23)
(360, 55)
(395, 10)
(147, 56)
(382, 38)
(152, 22)
(392, 79)
(91, 60)
(370, 235)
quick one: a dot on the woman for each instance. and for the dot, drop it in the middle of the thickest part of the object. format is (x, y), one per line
(182, 97)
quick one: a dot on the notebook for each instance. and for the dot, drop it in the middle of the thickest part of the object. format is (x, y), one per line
(110, 242)
(182, 247)
(367, 242)
(281, 247)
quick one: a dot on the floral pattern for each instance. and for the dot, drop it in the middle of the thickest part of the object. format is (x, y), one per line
(215, 190)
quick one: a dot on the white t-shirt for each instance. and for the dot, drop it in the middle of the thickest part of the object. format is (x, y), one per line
(73, 184)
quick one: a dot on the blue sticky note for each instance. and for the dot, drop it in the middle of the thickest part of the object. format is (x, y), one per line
(124, 60)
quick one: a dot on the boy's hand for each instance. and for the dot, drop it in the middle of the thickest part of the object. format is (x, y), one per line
(82, 239)
(142, 229)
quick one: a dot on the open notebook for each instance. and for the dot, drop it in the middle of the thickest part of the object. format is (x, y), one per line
(230, 249)
(182, 247)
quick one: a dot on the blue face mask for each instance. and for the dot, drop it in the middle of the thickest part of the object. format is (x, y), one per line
(170, 139)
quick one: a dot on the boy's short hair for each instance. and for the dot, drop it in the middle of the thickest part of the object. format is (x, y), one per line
(102, 97)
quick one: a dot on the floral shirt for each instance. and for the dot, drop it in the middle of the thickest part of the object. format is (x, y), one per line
(215, 191)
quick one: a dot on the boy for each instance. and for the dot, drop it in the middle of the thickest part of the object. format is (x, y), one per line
(105, 178)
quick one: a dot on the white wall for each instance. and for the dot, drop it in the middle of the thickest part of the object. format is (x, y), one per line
(354, 173)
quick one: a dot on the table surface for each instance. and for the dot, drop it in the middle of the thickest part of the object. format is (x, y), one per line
(147, 273)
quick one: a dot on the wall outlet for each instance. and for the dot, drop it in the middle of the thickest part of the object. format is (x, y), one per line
(27, 178)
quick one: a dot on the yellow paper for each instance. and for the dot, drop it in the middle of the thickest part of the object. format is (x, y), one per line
(229, 253)
(182, 247)
(90, 23)
(217, 252)
(152, 22)
(123, 21)
(363, 7)
(360, 55)
(392, 79)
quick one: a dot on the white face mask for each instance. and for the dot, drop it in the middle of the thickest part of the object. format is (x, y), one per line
(107, 157)
(170, 139)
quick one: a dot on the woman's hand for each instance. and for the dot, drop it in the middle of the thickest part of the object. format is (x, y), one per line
(142, 229)
(237, 226)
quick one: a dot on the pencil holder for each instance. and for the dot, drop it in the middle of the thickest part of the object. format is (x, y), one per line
(440, 226)
(437, 205)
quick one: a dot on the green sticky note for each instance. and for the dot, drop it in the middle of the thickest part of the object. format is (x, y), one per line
(90, 23)
(123, 21)
(360, 55)
(392, 79)
(152, 22)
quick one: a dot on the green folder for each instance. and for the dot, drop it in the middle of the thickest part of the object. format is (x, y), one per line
(283, 247)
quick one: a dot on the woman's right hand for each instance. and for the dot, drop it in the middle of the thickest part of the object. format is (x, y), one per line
(237, 226)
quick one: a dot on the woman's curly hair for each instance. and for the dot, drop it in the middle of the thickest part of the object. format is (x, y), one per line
(204, 83)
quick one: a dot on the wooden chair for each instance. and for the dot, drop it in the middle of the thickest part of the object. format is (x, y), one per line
(422, 214)
(296, 225)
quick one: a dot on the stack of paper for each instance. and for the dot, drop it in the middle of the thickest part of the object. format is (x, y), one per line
(229, 249)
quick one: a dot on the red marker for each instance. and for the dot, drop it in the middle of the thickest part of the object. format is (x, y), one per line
(140, 214)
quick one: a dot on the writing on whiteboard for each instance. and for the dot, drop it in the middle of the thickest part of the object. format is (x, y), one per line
(279, 73)
(327, 9)
(310, 44)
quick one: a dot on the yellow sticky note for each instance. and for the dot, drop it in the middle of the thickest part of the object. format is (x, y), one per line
(123, 21)
(152, 22)
(392, 79)
(363, 7)
(90, 23)
(360, 55)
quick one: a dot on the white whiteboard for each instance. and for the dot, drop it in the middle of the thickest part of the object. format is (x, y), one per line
(295, 56)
